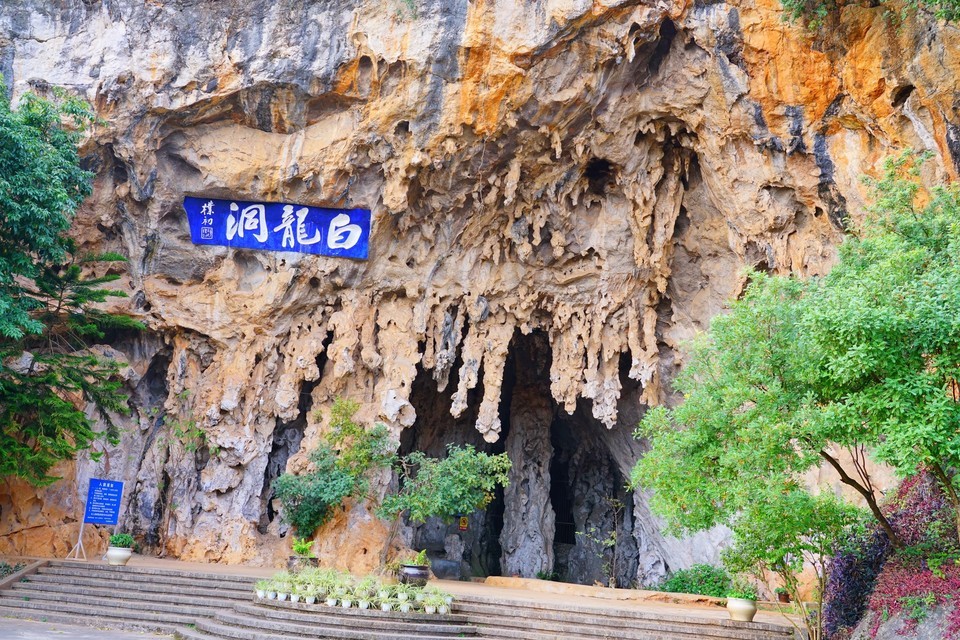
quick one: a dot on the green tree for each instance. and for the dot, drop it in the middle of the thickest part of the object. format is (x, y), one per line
(864, 359)
(48, 303)
(460, 483)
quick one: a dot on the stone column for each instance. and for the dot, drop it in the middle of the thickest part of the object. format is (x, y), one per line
(528, 521)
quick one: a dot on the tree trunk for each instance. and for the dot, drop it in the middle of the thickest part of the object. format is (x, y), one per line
(868, 496)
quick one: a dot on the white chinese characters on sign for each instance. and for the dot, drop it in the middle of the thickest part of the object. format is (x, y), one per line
(286, 224)
(343, 234)
(252, 218)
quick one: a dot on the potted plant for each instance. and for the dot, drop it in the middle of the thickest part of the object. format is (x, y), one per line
(120, 549)
(261, 588)
(742, 601)
(384, 591)
(272, 590)
(404, 592)
(782, 595)
(385, 604)
(302, 557)
(432, 602)
(416, 571)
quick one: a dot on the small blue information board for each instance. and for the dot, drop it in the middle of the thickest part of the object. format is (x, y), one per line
(277, 226)
(103, 502)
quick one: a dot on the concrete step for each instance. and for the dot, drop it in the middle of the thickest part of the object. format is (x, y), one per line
(97, 614)
(144, 587)
(612, 626)
(124, 577)
(130, 598)
(101, 620)
(242, 628)
(150, 571)
(55, 599)
(373, 620)
(530, 615)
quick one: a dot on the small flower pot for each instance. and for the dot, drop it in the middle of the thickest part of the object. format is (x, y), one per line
(741, 609)
(449, 600)
(386, 606)
(443, 610)
(310, 599)
(331, 602)
(383, 595)
(294, 597)
(118, 556)
(405, 607)
(346, 604)
(282, 596)
(402, 597)
(271, 595)
(430, 610)
(363, 604)
(784, 598)
(261, 593)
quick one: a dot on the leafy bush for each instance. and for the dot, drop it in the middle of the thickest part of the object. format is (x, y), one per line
(7, 569)
(463, 482)
(701, 579)
(123, 540)
(851, 577)
(340, 466)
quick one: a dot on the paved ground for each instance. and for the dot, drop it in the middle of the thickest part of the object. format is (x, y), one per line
(11, 629)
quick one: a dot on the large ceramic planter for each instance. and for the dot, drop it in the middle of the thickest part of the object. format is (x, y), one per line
(414, 574)
(118, 556)
(741, 609)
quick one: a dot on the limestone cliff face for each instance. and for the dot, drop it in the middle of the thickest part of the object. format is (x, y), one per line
(582, 180)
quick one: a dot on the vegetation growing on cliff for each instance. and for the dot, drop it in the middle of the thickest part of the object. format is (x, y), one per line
(341, 466)
(48, 314)
(814, 13)
(863, 360)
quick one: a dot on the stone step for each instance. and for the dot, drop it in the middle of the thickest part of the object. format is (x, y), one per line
(613, 626)
(55, 599)
(150, 571)
(529, 612)
(333, 627)
(97, 614)
(101, 620)
(144, 587)
(228, 630)
(124, 577)
(587, 632)
(130, 597)
(408, 623)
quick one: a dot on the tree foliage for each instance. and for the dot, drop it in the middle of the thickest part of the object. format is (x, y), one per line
(461, 483)
(340, 468)
(863, 361)
(48, 302)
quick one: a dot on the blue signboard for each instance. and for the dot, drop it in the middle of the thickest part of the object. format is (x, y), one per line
(276, 226)
(103, 502)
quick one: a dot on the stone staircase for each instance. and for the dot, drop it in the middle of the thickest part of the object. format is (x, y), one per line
(272, 620)
(210, 606)
(122, 597)
(535, 620)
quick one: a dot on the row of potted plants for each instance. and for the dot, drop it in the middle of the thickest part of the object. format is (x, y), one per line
(335, 588)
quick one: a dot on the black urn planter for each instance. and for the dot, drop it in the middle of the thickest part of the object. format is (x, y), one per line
(299, 563)
(414, 574)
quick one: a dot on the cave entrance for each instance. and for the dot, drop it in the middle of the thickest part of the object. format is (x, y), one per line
(454, 553)
(567, 502)
(566, 495)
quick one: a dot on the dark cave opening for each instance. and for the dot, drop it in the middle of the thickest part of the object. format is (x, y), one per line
(564, 480)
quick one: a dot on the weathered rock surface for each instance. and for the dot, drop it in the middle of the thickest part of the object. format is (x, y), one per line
(596, 171)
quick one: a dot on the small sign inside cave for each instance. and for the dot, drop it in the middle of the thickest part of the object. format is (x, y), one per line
(277, 226)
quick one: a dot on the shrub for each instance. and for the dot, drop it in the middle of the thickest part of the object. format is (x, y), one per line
(9, 569)
(851, 577)
(124, 540)
(701, 579)
(340, 467)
